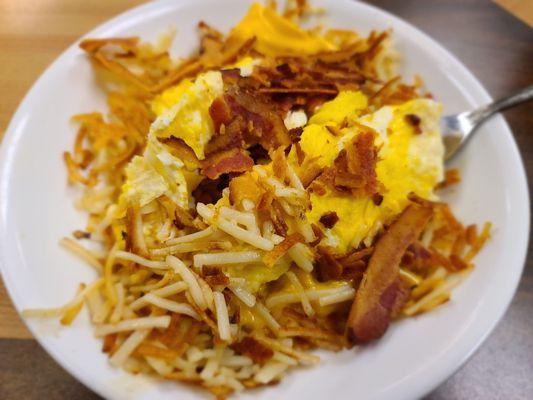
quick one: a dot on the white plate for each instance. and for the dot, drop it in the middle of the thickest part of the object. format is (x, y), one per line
(36, 209)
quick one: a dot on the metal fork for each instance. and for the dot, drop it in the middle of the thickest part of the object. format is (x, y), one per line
(457, 129)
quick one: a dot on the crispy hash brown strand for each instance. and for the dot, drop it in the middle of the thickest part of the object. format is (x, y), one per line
(211, 271)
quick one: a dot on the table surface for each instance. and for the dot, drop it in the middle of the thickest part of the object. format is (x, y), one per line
(494, 45)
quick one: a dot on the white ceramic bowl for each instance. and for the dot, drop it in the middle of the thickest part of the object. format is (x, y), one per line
(36, 209)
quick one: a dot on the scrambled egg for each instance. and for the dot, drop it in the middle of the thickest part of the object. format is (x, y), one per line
(408, 162)
(277, 36)
(156, 173)
(183, 111)
(317, 141)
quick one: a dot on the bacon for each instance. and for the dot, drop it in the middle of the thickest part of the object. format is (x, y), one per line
(379, 290)
(311, 171)
(307, 90)
(295, 134)
(318, 233)
(254, 349)
(220, 113)
(181, 150)
(233, 160)
(233, 136)
(266, 124)
(356, 259)
(279, 164)
(361, 157)
(354, 169)
(329, 219)
(300, 154)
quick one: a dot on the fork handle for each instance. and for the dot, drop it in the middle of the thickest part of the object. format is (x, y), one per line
(519, 97)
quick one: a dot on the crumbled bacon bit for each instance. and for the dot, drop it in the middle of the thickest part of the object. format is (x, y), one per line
(414, 120)
(361, 157)
(300, 155)
(352, 259)
(329, 219)
(233, 160)
(279, 164)
(354, 169)
(254, 349)
(266, 202)
(311, 171)
(263, 124)
(377, 199)
(318, 233)
(317, 188)
(295, 134)
(220, 113)
(306, 90)
(180, 149)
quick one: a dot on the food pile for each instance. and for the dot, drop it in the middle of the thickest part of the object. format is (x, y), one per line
(272, 194)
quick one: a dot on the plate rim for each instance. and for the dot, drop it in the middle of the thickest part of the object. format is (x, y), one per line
(434, 374)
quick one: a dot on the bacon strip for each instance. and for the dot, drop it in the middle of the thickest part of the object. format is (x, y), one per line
(380, 291)
(233, 160)
(220, 113)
